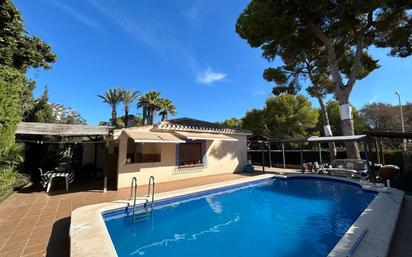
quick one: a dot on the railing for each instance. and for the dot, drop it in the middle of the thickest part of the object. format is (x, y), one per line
(151, 190)
(133, 189)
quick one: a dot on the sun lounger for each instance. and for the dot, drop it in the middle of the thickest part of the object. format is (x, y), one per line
(349, 168)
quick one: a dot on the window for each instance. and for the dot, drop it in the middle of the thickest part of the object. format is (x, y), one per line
(142, 152)
(190, 154)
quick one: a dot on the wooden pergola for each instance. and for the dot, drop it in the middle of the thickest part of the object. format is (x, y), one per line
(377, 138)
(83, 133)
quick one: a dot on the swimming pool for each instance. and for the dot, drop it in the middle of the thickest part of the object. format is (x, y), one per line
(276, 217)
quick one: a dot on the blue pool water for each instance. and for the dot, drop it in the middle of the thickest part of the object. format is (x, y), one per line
(279, 217)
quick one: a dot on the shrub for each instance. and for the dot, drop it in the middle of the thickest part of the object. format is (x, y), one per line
(10, 180)
(11, 85)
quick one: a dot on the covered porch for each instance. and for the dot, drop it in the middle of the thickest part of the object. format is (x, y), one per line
(85, 150)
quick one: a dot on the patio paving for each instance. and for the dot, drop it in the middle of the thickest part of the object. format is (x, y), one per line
(33, 223)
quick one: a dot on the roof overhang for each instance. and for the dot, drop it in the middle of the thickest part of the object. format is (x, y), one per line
(153, 137)
(204, 136)
(66, 130)
(336, 139)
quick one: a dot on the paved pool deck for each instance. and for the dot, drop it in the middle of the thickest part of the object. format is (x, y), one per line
(33, 223)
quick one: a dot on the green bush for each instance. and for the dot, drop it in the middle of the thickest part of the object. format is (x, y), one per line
(11, 85)
(9, 180)
(11, 157)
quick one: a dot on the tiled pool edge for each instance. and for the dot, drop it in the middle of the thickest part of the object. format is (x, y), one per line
(380, 219)
(88, 232)
(89, 235)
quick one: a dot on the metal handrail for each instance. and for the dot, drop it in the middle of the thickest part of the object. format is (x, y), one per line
(133, 185)
(151, 189)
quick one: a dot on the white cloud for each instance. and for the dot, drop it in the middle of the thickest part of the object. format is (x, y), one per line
(208, 76)
(75, 14)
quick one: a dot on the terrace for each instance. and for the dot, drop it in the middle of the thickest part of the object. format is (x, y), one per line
(34, 223)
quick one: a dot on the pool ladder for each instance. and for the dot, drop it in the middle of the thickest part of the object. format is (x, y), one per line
(150, 193)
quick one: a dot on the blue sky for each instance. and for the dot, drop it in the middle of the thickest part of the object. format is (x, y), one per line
(186, 49)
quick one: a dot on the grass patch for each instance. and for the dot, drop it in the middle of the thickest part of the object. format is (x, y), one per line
(10, 180)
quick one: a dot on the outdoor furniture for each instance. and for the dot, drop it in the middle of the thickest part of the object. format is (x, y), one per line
(44, 177)
(349, 168)
(320, 168)
(48, 177)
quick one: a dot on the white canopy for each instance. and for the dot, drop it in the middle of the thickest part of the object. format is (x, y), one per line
(336, 138)
(204, 136)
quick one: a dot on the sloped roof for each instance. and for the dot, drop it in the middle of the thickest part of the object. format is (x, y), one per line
(54, 129)
(188, 124)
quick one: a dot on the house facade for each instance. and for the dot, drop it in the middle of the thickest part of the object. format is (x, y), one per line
(177, 149)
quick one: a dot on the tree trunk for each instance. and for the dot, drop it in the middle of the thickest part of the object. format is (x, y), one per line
(126, 117)
(326, 127)
(164, 116)
(114, 116)
(352, 150)
(150, 118)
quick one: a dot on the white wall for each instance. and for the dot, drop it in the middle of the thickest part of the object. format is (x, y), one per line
(222, 157)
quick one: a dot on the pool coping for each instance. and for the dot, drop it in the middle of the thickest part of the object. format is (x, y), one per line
(89, 235)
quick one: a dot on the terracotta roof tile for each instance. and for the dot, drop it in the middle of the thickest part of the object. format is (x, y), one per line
(188, 124)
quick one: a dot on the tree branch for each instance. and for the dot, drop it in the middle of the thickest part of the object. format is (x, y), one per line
(356, 65)
(331, 57)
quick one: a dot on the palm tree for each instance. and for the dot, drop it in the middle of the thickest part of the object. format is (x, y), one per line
(113, 98)
(127, 97)
(166, 107)
(151, 102)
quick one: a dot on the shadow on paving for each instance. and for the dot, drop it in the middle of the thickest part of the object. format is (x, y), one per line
(59, 242)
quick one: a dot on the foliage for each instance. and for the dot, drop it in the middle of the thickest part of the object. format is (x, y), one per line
(112, 97)
(127, 97)
(11, 157)
(151, 102)
(386, 117)
(66, 115)
(284, 115)
(17, 48)
(138, 120)
(290, 115)
(11, 85)
(166, 107)
(42, 111)
(336, 32)
(254, 120)
(9, 180)
(232, 122)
